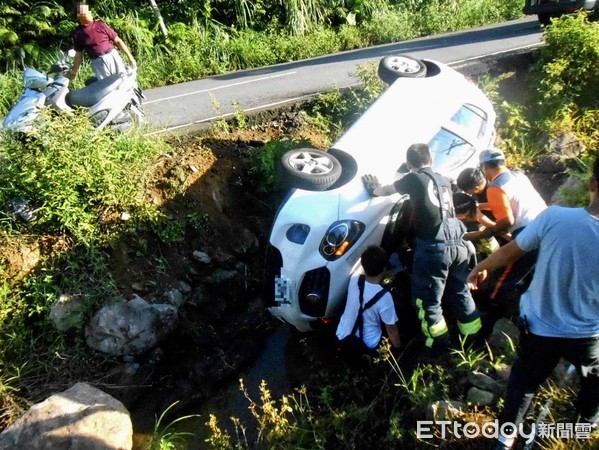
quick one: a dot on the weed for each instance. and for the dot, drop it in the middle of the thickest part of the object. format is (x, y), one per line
(169, 229)
(218, 439)
(197, 220)
(469, 357)
(220, 124)
(424, 385)
(164, 437)
(239, 116)
(267, 162)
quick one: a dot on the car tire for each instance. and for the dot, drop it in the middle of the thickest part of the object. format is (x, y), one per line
(401, 66)
(310, 169)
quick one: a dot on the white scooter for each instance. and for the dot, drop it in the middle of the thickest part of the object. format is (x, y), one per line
(113, 102)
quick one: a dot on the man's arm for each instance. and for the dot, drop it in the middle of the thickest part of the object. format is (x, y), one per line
(374, 188)
(77, 60)
(393, 334)
(502, 210)
(123, 47)
(505, 255)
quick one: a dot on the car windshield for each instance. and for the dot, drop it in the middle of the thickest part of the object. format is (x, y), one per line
(449, 150)
(471, 118)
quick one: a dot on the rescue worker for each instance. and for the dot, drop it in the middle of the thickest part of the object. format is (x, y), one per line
(514, 203)
(440, 255)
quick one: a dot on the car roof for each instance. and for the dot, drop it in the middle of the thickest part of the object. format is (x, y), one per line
(411, 110)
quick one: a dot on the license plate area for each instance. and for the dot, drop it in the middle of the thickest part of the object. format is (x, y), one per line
(282, 290)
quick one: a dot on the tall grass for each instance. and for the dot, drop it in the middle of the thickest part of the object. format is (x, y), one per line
(10, 89)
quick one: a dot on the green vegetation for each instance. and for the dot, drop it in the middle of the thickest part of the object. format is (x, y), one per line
(89, 189)
(79, 181)
(165, 436)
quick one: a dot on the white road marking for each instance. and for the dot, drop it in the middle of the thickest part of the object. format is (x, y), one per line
(279, 75)
(540, 44)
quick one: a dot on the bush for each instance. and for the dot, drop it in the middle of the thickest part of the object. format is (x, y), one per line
(76, 176)
(10, 88)
(567, 69)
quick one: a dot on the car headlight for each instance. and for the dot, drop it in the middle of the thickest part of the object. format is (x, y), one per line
(339, 238)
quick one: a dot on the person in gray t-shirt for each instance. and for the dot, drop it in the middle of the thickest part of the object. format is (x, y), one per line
(560, 310)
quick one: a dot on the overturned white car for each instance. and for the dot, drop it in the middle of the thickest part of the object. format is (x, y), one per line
(326, 222)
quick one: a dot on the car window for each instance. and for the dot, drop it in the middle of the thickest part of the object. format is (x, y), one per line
(472, 118)
(449, 150)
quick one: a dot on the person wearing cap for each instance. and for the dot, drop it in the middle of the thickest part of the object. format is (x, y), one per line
(514, 203)
(96, 39)
(441, 255)
(559, 313)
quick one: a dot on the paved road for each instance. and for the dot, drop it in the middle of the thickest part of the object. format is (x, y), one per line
(188, 105)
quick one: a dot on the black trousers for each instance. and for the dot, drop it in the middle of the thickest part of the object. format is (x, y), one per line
(538, 357)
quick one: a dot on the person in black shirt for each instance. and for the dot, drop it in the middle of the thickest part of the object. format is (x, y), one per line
(440, 255)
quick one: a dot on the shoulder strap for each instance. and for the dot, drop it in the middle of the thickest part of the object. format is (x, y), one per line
(359, 325)
(444, 213)
(375, 299)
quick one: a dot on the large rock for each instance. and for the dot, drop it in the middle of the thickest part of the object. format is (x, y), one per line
(484, 382)
(130, 328)
(476, 396)
(80, 418)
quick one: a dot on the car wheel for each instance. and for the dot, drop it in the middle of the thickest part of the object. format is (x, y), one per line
(310, 169)
(393, 67)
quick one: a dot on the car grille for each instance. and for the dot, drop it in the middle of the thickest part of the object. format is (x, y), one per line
(274, 262)
(315, 282)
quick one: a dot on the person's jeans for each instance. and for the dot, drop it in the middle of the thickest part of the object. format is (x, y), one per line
(538, 357)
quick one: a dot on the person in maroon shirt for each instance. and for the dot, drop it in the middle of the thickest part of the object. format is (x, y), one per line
(97, 40)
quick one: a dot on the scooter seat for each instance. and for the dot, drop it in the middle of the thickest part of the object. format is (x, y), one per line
(92, 94)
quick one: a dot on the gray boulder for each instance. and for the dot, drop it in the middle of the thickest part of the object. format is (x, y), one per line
(80, 418)
(130, 328)
(484, 382)
(479, 397)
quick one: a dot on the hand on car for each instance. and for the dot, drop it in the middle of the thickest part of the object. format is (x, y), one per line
(371, 182)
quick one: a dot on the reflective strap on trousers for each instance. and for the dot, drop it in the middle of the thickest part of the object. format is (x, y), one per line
(470, 328)
(434, 331)
(430, 332)
(438, 329)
